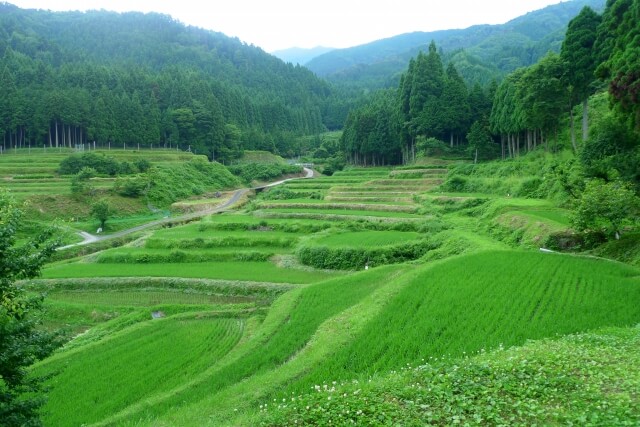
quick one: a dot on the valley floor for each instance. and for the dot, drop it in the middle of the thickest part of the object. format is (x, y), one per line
(368, 297)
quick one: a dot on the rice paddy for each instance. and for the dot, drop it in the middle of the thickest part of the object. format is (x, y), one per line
(28, 172)
(247, 319)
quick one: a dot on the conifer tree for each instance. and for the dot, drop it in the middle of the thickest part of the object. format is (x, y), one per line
(580, 63)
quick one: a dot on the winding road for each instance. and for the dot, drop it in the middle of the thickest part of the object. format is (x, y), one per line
(235, 197)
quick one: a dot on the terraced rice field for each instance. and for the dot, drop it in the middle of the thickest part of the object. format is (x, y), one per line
(153, 356)
(366, 238)
(484, 301)
(357, 193)
(34, 172)
(263, 326)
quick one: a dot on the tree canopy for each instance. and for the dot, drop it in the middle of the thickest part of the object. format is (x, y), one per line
(21, 342)
(70, 78)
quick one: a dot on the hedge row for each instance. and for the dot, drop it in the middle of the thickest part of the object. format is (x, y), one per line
(228, 241)
(206, 286)
(177, 256)
(286, 227)
(324, 257)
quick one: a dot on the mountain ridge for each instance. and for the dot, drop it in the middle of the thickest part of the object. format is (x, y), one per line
(300, 55)
(526, 38)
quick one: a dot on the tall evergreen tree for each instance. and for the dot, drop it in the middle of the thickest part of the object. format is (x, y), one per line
(618, 46)
(456, 104)
(580, 63)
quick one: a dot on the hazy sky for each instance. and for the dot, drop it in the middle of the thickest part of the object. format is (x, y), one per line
(279, 24)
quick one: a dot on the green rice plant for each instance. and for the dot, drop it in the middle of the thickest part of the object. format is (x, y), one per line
(366, 239)
(147, 256)
(262, 226)
(289, 326)
(483, 301)
(340, 217)
(374, 198)
(228, 288)
(407, 183)
(232, 270)
(377, 206)
(152, 357)
(143, 298)
(322, 213)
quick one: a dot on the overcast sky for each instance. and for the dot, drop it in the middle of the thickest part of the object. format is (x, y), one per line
(279, 24)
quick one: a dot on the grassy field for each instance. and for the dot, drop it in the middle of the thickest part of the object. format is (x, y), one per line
(468, 304)
(246, 271)
(248, 328)
(152, 357)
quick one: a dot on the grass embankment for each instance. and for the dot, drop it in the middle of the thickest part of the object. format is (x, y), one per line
(230, 270)
(288, 327)
(581, 379)
(152, 357)
(445, 311)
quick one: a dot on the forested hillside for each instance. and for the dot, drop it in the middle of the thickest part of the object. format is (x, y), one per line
(480, 53)
(134, 78)
(433, 105)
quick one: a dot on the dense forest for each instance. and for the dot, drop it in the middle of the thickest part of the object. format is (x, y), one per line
(142, 79)
(434, 107)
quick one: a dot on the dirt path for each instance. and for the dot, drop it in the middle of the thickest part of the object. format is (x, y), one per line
(235, 197)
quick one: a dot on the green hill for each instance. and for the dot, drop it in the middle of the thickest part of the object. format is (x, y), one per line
(489, 51)
(383, 320)
(133, 78)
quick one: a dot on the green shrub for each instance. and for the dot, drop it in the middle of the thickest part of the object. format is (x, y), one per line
(101, 163)
(354, 258)
(131, 186)
(455, 183)
(529, 188)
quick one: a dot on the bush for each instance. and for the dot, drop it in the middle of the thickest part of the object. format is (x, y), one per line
(102, 164)
(333, 165)
(279, 193)
(131, 187)
(143, 165)
(355, 258)
(529, 188)
(455, 183)
(80, 182)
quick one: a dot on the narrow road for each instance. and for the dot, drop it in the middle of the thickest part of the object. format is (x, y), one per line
(237, 195)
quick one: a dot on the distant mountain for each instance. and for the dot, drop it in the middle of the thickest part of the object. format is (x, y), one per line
(481, 52)
(148, 79)
(299, 55)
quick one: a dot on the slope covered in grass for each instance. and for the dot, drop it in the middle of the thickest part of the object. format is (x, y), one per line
(172, 182)
(443, 311)
(147, 358)
(583, 379)
(485, 300)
